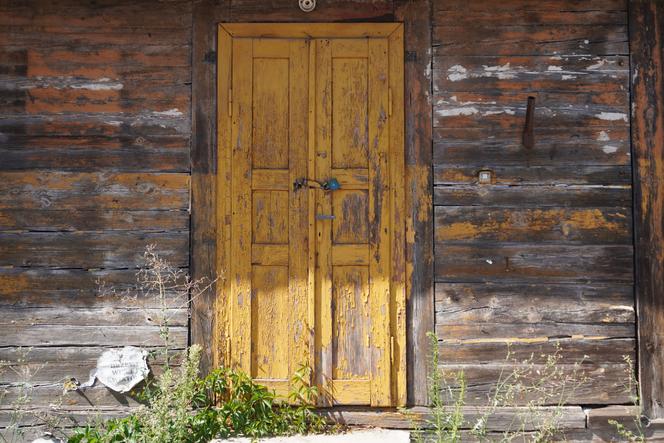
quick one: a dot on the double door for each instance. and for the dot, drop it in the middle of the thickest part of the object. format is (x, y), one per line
(311, 175)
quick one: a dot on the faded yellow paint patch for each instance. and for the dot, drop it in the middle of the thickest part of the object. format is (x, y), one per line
(503, 225)
(593, 219)
(14, 283)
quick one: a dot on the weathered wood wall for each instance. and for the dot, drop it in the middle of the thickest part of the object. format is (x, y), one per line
(94, 165)
(95, 127)
(646, 33)
(542, 256)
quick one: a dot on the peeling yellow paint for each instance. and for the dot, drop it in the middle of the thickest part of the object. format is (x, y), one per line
(353, 304)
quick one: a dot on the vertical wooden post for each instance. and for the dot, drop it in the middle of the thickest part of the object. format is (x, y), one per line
(646, 28)
(416, 15)
(203, 173)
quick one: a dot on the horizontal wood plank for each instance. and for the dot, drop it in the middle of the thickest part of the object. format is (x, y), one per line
(109, 316)
(63, 190)
(99, 396)
(585, 384)
(50, 365)
(575, 146)
(527, 39)
(517, 6)
(285, 10)
(526, 330)
(521, 174)
(107, 124)
(561, 305)
(88, 250)
(536, 225)
(65, 335)
(76, 288)
(503, 418)
(92, 220)
(588, 76)
(589, 351)
(504, 111)
(533, 196)
(111, 15)
(509, 262)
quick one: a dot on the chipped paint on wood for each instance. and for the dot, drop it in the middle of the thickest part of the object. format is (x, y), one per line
(612, 116)
(353, 281)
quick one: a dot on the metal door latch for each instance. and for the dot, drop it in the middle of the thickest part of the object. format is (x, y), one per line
(331, 184)
(324, 217)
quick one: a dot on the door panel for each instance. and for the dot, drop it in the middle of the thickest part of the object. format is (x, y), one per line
(351, 124)
(269, 220)
(316, 277)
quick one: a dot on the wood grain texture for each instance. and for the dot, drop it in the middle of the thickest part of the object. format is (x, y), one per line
(416, 16)
(40, 287)
(101, 104)
(287, 11)
(542, 255)
(94, 165)
(534, 225)
(533, 28)
(89, 190)
(647, 31)
(514, 262)
(529, 196)
(90, 250)
(93, 220)
(204, 167)
(479, 145)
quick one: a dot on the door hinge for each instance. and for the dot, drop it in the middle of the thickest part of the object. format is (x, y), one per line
(230, 101)
(389, 101)
(392, 349)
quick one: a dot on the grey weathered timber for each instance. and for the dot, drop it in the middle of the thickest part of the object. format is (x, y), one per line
(646, 33)
(419, 245)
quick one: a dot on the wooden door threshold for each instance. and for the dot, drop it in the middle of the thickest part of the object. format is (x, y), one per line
(574, 423)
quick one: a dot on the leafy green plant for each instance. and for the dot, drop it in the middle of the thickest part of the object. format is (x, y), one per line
(178, 406)
(303, 396)
(181, 407)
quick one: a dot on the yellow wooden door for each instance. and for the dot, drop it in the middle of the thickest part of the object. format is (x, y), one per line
(315, 276)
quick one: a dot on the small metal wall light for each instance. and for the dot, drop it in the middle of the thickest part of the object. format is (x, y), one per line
(331, 184)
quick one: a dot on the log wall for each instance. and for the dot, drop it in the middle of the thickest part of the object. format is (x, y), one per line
(94, 166)
(96, 135)
(541, 257)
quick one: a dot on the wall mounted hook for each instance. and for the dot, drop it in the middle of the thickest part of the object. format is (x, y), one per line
(528, 138)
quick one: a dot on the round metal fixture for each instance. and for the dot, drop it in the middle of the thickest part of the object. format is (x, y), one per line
(307, 5)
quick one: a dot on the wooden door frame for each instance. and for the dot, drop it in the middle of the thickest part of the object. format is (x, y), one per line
(391, 386)
(416, 17)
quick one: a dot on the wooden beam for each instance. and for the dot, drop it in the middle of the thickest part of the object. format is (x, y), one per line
(203, 173)
(307, 30)
(503, 419)
(646, 26)
(416, 16)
